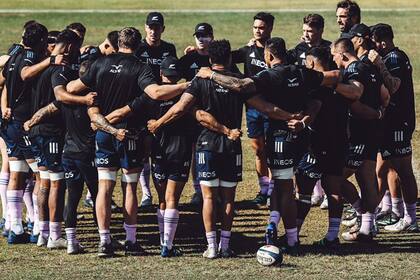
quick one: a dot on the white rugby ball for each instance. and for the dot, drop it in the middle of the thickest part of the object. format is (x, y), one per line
(269, 255)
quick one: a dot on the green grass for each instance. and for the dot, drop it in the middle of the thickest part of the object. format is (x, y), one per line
(396, 256)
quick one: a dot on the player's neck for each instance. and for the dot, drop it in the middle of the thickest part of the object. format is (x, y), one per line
(361, 52)
(350, 60)
(125, 50)
(153, 44)
(260, 43)
(316, 43)
(203, 51)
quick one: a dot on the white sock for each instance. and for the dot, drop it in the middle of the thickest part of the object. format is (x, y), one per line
(55, 230)
(145, 180)
(35, 231)
(71, 236)
(386, 202)
(131, 232)
(212, 239)
(275, 217)
(224, 239)
(105, 236)
(410, 213)
(398, 206)
(292, 236)
(367, 223)
(161, 223)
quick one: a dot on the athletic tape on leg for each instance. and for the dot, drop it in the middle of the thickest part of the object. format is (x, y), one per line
(56, 176)
(211, 183)
(130, 178)
(107, 175)
(44, 174)
(283, 174)
(18, 166)
(34, 167)
(228, 184)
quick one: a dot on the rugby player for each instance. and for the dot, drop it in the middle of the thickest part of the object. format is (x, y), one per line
(152, 51)
(400, 119)
(118, 79)
(253, 58)
(293, 83)
(20, 70)
(107, 47)
(348, 14)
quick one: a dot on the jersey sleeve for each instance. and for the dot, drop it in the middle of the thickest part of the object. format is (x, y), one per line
(262, 79)
(239, 56)
(146, 77)
(62, 77)
(395, 65)
(89, 78)
(28, 60)
(195, 88)
(137, 104)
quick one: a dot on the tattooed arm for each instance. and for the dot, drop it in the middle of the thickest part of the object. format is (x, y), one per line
(40, 115)
(246, 85)
(208, 121)
(391, 83)
(102, 124)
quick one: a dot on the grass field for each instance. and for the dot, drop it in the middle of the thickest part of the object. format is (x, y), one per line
(396, 256)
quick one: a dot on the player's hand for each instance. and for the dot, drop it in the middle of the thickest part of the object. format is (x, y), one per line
(204, 73)
(120, 134)
(152, 126)
(251, 42)
(85, 48)
(295, 125)
(90, 98)
(6, 114)
(93, 126)
(189, 49)
(27, 125)
(234, 134)
(297, 116)
(60, 59)
(374, 57)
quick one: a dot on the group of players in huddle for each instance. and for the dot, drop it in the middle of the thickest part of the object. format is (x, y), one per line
(316, 115)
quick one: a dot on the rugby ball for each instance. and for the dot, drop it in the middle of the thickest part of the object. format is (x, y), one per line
(269, 255)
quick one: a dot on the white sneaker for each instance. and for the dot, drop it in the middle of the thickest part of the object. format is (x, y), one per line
(75, 248)
(316, 200)
(324, 204)
(210, 253)
(349, 223)
(60, 243)
(402, 226)
(42, 241)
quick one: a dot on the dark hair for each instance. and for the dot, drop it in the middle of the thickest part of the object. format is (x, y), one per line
(314, 20)
(129, 37)
(276, 46)
(219, 51)
(322, 54)
(265, 17)
(345, 45)
(382, 32)
(29, 22)
(113, 39)
(52, 36)
(35, 35)
(352, 7)
(68, 37)
(84, 67)
(80, 28)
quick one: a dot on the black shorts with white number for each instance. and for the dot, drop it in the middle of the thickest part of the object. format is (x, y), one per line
(397, 142)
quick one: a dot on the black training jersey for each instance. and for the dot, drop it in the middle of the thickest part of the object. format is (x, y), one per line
(401, 109)
(252, 57)
(153, 56)
(79, 141)
(171, 138)
(44, 95)
(298, 54)
(225, 106)
(288, 87)
(19, 92)
(118, 79)
(363, 130)
(15, 48)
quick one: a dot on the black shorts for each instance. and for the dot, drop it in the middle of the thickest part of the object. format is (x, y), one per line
(223, 166)
(396, 143)
(308, 166)
(330, 150)
(359, 152)
(17, 141)
(51, 150)
(282, 149)
(80, 170)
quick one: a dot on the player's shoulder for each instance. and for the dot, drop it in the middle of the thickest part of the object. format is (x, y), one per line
(395, 56)
(167, 45)
(325, 43)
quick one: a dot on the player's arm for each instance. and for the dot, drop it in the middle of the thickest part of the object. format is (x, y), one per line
(176, 111)
(246, 85)
(102, 124)
(76, 86)
(365, 112)
(209, 121)
(119, 114)
(307, 117)
(63, 96)
(6, 111)
(40, 115)
(352, 91)
(392, 83)
(31, 71)
(165, 92)
(269, 109)
(385, 96)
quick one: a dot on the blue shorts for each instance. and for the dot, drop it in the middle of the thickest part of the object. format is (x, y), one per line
(78, 170)
(163, 170)
(17, 141)
(48, 151)
(111, 153)
(308, 166)
(256, 123)
(223, 166)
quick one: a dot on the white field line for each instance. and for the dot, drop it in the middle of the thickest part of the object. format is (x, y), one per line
(209, 11)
